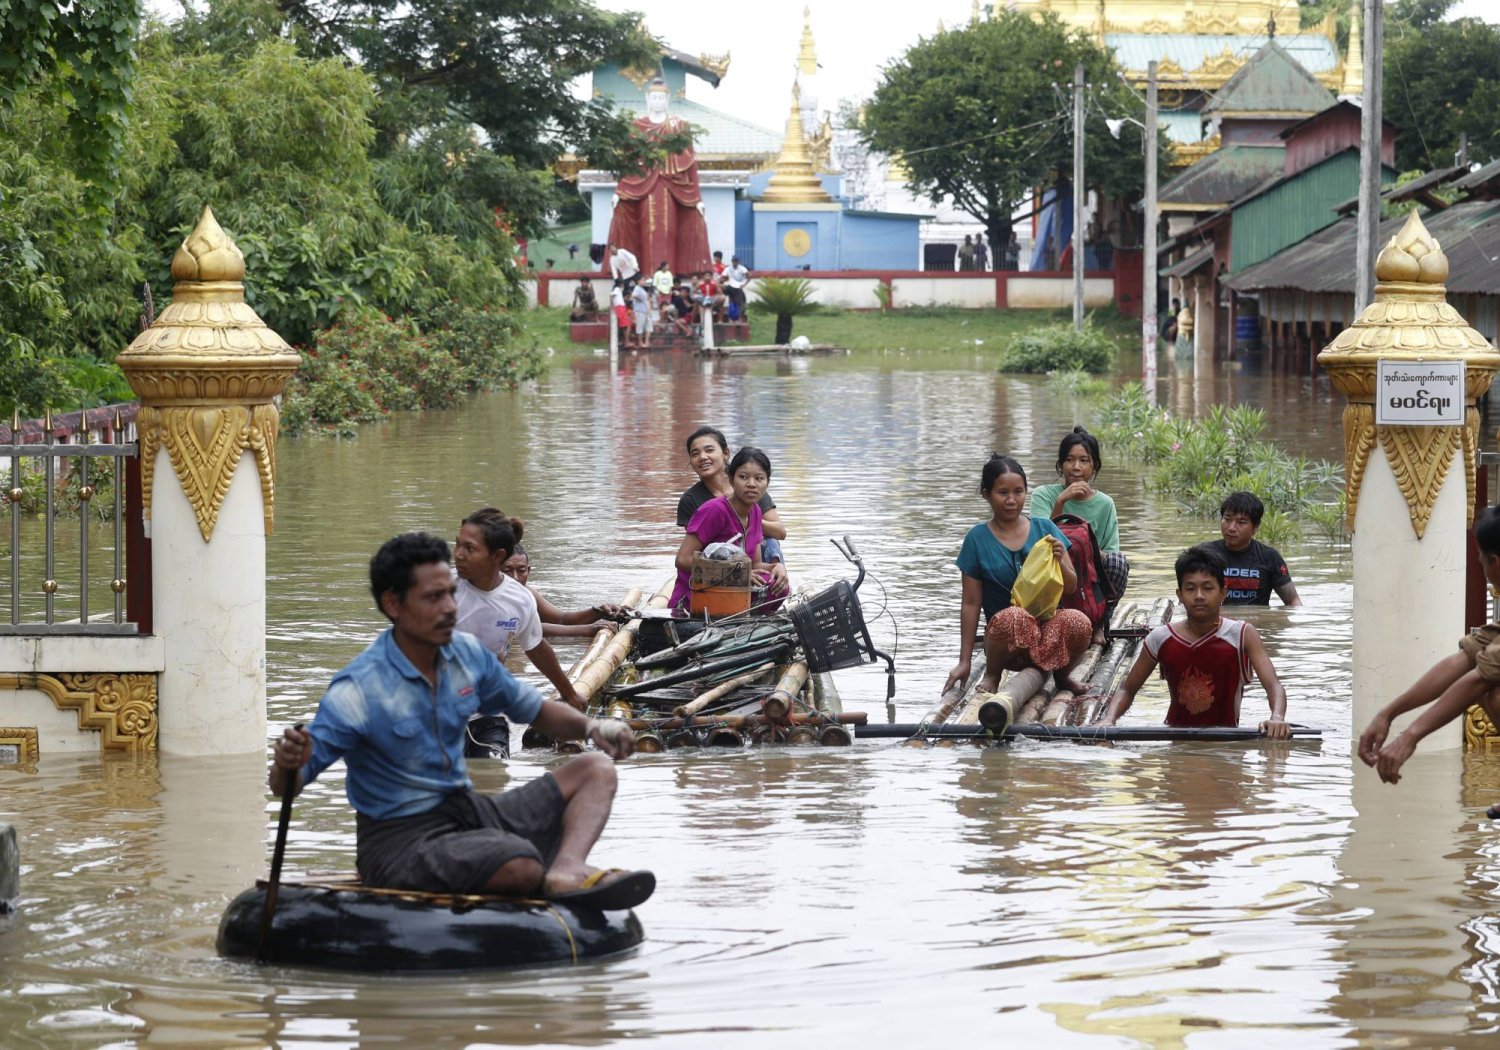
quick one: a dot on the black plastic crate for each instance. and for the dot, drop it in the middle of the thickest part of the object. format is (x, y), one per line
(831, 627)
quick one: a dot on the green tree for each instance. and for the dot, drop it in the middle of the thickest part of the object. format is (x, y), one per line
(983, 115)
(1442, 82)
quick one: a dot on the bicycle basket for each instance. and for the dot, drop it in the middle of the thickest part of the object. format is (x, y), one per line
(831, 628)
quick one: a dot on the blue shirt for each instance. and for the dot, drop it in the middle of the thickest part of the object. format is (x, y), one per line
(995, 565)
(402, 739)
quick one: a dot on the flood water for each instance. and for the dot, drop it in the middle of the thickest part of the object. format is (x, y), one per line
(1152, 895)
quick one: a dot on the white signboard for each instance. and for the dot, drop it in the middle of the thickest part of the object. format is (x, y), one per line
(1420, 394)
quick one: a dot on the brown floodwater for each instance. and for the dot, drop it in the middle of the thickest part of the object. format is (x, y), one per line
(1153, 895)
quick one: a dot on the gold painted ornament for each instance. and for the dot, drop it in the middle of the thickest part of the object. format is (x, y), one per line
(1408, 320)
(207, 371)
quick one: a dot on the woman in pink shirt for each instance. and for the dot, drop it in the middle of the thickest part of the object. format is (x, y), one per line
(733, 518)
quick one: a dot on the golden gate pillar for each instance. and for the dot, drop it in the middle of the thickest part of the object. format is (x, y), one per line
(207, 371)
(1412, 370)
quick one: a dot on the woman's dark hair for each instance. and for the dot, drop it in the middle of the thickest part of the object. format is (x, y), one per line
(994, 467)
(1201, 558)
(500, 533)
(1070, 441)
(1487, 531)
(1246, 503)
(713, 432)
(390, 569)
(750, 454)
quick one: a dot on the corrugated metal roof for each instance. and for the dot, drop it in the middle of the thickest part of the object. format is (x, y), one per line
(1272, 81)
(1288, 209)
(1224, 175)
(1133, 51)
(1180, 125)
(1469, 234)
(721, 134)
(1193, 262)
(1477, 179)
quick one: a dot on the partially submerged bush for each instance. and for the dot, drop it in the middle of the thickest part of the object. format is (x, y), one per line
(369, 365)
(1200, 461)
(1059, 348)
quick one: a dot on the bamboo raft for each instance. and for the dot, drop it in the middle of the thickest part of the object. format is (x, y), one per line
(1029, 703)
(709, 703)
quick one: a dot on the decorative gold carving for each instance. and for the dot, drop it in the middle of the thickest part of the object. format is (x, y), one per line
(640, 76)
(206, 371)
(205, 445)
(1408, 320)
(1419, 457)
(1359, 442)
(1225, 64)
(1480, 733)
(1211, 23)
(796, 243)
(24, 740)
(122, 707)
(1168, 68)
(1471, 461)
(718, 65)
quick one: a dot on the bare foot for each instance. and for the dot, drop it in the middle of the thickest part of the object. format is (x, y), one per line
(1072, 685)
(988, 684)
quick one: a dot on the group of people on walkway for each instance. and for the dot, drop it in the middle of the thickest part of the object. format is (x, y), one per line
(640, 302)
(1206, 658)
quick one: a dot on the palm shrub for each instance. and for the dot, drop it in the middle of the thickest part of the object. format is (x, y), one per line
(786, 297)
(1059, 348)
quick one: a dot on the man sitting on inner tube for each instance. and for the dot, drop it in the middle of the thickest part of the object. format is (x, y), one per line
(396, 716)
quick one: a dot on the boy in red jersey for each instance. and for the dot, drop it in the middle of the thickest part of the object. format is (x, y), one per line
(1453, 684)
(1205, 658)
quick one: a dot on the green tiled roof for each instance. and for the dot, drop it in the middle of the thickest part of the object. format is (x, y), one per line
(720, 133)
(1315, 53)
(1224, 175)
(1271, 82)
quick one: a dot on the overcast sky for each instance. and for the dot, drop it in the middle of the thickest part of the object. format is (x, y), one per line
(855, 38)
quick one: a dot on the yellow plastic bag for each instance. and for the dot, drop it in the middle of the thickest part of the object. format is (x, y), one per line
(1039, 585)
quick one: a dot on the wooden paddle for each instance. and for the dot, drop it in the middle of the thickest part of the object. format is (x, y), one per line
(288, 792)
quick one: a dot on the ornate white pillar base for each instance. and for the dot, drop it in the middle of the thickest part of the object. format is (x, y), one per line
(1408, 592)
(210, 611)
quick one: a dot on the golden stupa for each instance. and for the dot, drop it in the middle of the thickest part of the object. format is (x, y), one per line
(795, 181)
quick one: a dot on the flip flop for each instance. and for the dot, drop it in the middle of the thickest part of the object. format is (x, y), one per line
(626, 890)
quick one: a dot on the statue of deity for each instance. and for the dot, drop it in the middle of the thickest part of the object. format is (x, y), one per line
(659, 214)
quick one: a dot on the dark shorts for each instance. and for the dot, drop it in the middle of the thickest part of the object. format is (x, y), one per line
(1482, 647)
(459, 845)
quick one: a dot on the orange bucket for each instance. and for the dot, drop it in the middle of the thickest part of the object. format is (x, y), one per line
(718, 601)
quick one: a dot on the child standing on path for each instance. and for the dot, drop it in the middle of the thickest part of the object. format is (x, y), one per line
(1205, 658)
(1452, 685)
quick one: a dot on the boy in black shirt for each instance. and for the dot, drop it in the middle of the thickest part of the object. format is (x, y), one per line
(1254, 569)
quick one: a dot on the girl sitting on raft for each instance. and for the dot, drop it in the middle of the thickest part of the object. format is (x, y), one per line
(735, 518)
(1078, 463)
(708, 450)
(990, 559)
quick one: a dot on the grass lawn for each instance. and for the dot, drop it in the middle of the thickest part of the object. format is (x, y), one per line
(917, 328)
(930, 328)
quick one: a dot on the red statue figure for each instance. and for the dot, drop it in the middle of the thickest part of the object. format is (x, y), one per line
(659, 215)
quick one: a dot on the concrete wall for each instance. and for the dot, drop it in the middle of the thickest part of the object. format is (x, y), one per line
(923, 290)
(1036, 292)
(57, 729)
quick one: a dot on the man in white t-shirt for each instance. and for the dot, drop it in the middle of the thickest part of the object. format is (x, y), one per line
(623, 265)
(496, 609)
(735, 279)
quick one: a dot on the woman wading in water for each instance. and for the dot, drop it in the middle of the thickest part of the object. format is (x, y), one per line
(990, 559)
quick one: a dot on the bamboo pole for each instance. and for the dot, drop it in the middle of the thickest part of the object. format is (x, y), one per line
(998, 709)
(720, 691)
(826, 695)
(1160, 612)
(950, 700)
(745, 721)
(599, 671)
(781, 701)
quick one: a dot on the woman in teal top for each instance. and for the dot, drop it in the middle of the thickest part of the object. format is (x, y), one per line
(990, 559)
(1078, 462)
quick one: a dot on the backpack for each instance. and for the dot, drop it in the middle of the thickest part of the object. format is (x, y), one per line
(1093, 595)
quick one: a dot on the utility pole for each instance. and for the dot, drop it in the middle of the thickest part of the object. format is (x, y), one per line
(1369, 156)
(1078, 193)
(1148, 246)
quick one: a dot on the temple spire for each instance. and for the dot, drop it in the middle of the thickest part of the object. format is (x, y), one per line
(1353, 85)
(794, 181)
(807, 54)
